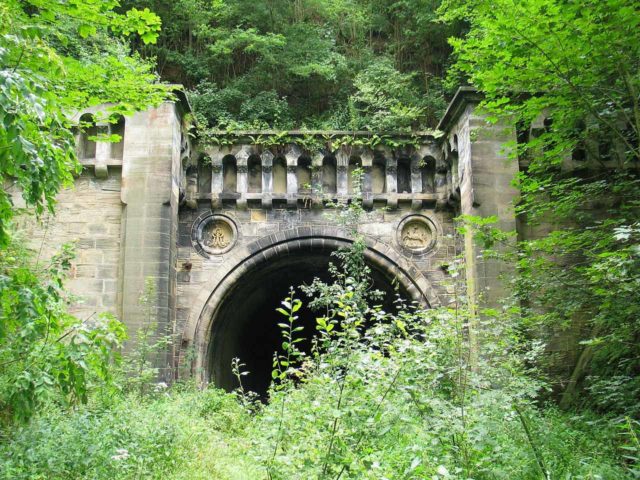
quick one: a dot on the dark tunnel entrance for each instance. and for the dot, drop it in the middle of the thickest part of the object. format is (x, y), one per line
(245, 325)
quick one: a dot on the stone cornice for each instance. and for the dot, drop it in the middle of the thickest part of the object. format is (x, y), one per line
(463, 97)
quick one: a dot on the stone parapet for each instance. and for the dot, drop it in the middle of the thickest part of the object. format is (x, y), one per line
(247, 170)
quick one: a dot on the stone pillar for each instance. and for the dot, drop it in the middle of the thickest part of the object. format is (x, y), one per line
(367, 187)
(103, 152)
(316, 180)
(243, 178)
(485, 190)
(391, 171)
(266, 159)
(342, 181)
(291, 156)
(441, 187)
(217, 179)
(292, 186)
(191, 189)
(150, 194)
(416, 181)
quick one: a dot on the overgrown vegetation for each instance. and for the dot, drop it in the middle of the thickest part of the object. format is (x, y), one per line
(400, 394)
(380, 395)
(576, 65)
(45, 353)
(345, 64)
(58, 57)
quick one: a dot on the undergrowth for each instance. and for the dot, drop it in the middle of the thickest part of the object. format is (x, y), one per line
(381, 395)
(405, 394)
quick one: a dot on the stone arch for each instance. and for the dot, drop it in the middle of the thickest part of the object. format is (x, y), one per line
(428, 174)
(329, 174)
(204, 172)
(229, 174)
(303, 174)
(354, 163)
(403, 175)
(118, 128)
(259, 254)
(88, 129)
(279, 175)
(378, 175)
(254, 167)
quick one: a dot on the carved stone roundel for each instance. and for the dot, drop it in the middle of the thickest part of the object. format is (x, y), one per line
(417, 234)
(214, 234)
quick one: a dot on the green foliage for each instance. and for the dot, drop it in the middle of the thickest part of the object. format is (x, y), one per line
(312, 63)
(229, 109)
(287, 361)
(575, 63)
(46, 353)
(140, 369)
(55, 58)
(386, 99)
(184, 435)
(484, 231)
(382, 395)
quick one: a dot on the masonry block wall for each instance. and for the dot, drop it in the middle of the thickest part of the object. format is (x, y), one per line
(122, 217)
(281, 233)
(152, 146)
(88, 216)
(483, 185)
(140, 210)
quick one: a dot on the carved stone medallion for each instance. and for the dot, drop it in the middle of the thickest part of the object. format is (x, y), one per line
(417, 234)
(213, 234)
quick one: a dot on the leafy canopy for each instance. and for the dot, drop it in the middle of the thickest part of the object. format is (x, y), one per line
(577, 65)
(57, 57)
(309, 61)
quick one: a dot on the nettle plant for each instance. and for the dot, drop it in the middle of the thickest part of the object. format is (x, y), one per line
(386, 392)
(402, 393)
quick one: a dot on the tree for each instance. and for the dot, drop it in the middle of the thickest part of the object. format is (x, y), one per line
(57, 57)
(575, 64)
(307, 55)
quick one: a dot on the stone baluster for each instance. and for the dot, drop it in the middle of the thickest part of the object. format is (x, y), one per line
(292, 186)
(292, 154)
(267, 179)
(392, 181)
(242, 158)
(442, 190)
(416, 182)
(367, 187)
(316, 180)
(342, 180)
(217, 179)
(191, 188)
(103, 152)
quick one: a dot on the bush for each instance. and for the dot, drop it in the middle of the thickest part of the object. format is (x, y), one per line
(45, 353)
(385, 99)
(229, 108)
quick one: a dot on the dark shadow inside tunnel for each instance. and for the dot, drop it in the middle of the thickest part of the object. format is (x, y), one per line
(245, 324)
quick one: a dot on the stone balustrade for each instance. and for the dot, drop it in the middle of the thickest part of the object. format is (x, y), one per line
(245, 174)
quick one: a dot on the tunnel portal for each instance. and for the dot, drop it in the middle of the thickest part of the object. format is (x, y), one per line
(245, 324)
